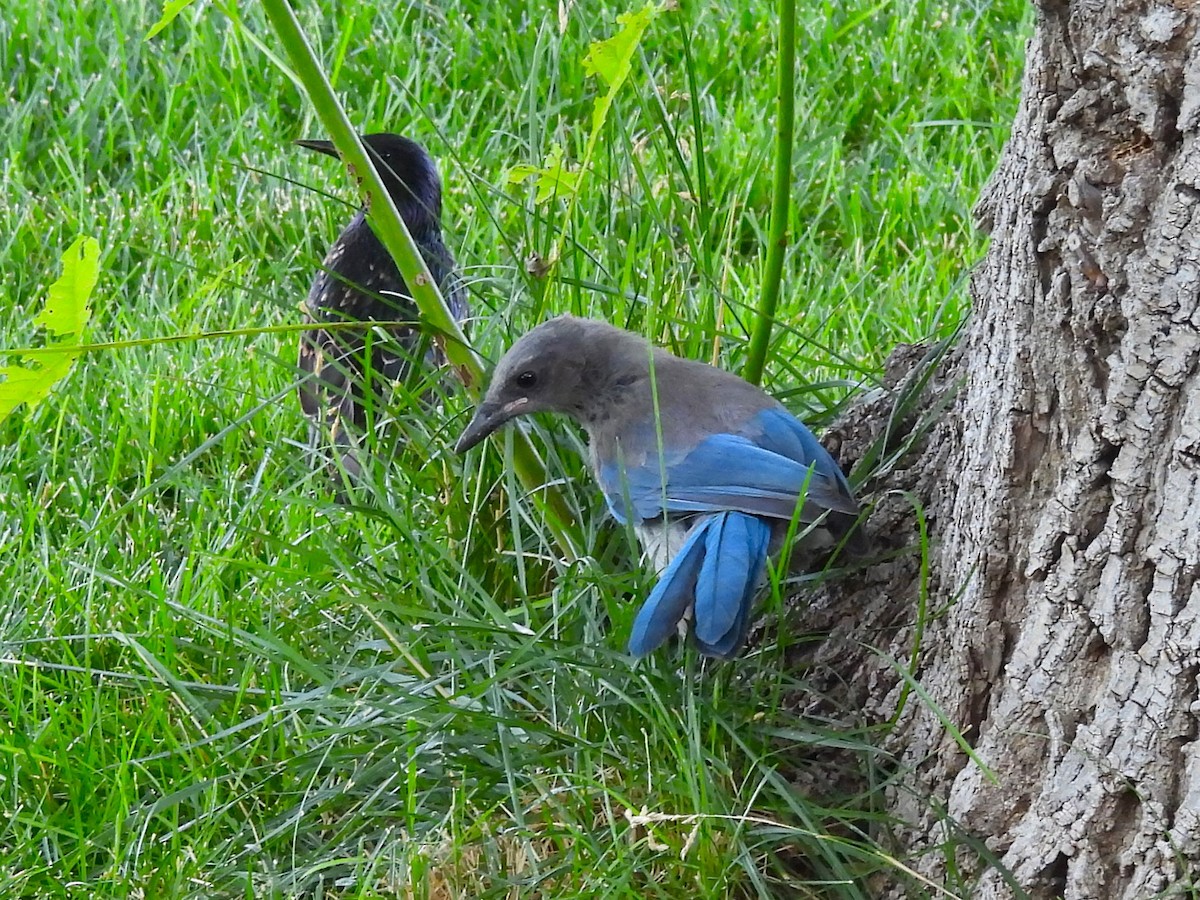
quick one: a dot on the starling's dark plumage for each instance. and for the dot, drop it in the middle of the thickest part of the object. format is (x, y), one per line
(359, 282)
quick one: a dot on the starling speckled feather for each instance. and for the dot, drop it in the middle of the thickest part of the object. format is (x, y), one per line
(359, 282)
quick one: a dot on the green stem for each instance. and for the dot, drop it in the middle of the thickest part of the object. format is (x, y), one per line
(390, 228)
(781, 195)
(385, 220)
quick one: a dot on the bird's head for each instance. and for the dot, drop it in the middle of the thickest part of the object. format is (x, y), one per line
(408, 172)
(565, 365)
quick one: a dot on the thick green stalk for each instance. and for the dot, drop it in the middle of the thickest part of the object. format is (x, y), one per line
(385, 220)
(390, 228)
(781, 195)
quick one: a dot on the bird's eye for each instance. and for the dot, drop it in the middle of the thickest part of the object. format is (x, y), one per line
(527, 380)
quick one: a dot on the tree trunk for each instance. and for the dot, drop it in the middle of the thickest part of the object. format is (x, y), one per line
(1062, 491)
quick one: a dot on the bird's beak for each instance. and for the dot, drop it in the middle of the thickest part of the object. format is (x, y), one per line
(325, 147)
(488, 418)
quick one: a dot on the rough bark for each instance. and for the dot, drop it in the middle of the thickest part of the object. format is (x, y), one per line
(1062, 488)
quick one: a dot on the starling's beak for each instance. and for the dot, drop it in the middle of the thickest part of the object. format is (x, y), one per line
(488, 418)
(325, 147)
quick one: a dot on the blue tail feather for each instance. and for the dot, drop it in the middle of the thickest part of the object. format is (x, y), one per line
(735, 553)
(729, 644)
(717, 571)
(671, 597)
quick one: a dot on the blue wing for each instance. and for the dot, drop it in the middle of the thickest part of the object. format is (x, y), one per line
(766, 470)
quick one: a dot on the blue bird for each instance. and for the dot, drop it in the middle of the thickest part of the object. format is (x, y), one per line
(708, 469)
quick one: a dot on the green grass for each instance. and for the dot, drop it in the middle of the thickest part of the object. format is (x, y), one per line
(218, 682)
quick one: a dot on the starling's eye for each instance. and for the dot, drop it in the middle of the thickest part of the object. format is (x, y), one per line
(526, 380)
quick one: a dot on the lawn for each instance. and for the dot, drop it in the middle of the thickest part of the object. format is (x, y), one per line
(219, 681)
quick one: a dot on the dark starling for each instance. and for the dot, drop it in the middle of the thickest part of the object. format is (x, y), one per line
(359, 282)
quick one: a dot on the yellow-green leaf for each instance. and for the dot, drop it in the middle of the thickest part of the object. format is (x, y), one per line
(555, 179)
(521, 173)
(67, 309)
(64, 317)
(171, 9)
(611, 58)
